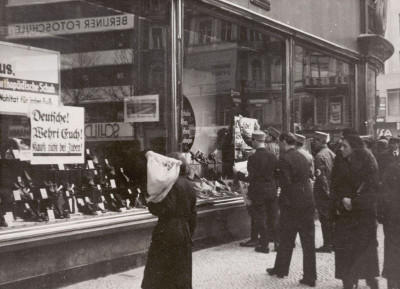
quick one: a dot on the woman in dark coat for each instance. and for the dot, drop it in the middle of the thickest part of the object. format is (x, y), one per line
(389, 212)
(169, 260)
(355, 240)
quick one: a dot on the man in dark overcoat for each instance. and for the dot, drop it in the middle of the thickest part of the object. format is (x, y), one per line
(262, 191)
(323, 167)
(391, 154)
(297, 207)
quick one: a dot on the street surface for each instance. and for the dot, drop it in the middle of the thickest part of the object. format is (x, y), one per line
(230, 266)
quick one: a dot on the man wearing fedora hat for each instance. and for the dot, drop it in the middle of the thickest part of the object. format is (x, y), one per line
(323, 168)
(262, 192)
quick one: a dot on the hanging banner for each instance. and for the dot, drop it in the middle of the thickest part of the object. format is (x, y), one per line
(144, 108)
(57, 135)
(28, 76)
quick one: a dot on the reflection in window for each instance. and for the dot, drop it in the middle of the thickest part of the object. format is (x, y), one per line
(256, 69)
(394, 102)
(205, 28)
(323, 91)
(226, 31)
(233, 76)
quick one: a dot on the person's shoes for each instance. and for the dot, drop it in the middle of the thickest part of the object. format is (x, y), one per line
(262, 249)
(274, 272)
(308, 282)
(373, 283)
(324, 249)
(249, 243)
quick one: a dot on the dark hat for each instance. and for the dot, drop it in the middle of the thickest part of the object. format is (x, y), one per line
(258, 135)
(321, 136)
(394, 140)
(274, 132)
(382, 144)
(300, 138)
(289, 137)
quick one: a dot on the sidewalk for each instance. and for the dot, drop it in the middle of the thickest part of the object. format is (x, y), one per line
(230, 266)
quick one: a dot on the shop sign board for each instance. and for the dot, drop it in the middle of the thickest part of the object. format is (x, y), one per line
(70, 26)
(110, 131)
(144, 108)
(28, 76)
(57, 135)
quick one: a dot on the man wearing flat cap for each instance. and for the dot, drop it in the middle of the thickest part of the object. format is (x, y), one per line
(323, 164)
(296, 202)
(271, 141)
(262, 192)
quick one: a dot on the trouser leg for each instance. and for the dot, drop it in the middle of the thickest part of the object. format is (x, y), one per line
(307, 237)
(253, 229)
(288, 233)
(272, 220)
(326, 230)
(259, 216)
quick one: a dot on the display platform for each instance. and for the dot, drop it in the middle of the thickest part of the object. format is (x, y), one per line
(66, 251)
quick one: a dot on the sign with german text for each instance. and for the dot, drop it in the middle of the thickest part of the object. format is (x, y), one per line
(109, 131)
(144, 108)
(70, 26)
(28, 76)
(57, 135)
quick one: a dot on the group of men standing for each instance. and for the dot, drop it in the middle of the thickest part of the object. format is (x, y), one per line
(278, 220)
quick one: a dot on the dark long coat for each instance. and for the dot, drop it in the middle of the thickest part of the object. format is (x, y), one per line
(169, 260)
(323, 162)
(389, 212)
(355, 240)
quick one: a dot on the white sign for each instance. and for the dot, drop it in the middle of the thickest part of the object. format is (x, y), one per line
(113, 131)
(28, 76)
(70, 26)
(144, 108)
(57, 135)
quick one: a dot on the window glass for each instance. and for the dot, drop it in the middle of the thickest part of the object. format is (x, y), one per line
(229, 70)
(323, 91)
(394, 103)
(112, 60)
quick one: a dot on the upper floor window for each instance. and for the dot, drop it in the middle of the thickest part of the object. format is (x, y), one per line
(156, 41)
(205, 29)
(226, 31)
(256, 69)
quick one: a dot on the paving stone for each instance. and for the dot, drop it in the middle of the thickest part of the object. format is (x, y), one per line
(230, 266)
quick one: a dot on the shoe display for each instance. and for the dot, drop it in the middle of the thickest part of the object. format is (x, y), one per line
(274, 272)
(324, 249)
(262, 249)
(308, 282)
(249, 243)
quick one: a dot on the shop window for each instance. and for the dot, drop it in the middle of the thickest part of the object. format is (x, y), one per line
(323, 91)
(394, 102)
(91, 68)
(223, 82)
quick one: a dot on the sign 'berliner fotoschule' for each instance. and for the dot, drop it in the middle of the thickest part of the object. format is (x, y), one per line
(70, 26)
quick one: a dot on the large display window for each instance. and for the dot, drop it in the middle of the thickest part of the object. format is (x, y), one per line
(230, 69)
(114, 62)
